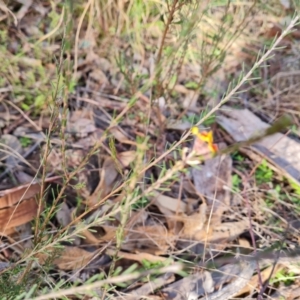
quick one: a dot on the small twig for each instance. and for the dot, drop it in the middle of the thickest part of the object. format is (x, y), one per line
(263, 288)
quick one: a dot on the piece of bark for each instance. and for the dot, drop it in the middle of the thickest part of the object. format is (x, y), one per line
(280, 150)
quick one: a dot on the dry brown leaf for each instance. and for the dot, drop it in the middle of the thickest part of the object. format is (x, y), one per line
(174, 221)
(172, 204)
(229, 230)
(152, 239)
(196, 227)
(244, 243)
(89, 237)
(12, 196)
(195, 223)
(108, 178)
(126, 158)
(69, 258)
(121, 137)
(109, 173)
(20, 193)
(110, 233)
(18, 215)
(19, 205)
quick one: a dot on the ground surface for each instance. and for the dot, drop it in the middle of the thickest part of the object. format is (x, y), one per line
(106, 192)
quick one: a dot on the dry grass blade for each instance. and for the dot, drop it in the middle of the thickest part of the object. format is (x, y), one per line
(5, 9)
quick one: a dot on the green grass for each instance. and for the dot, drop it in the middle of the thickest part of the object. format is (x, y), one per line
(194, 119)
(285, 277)
(236, 183)
(25, 141)
(263, 173)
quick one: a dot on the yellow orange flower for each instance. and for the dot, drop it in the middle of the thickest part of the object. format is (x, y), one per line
(205, 137)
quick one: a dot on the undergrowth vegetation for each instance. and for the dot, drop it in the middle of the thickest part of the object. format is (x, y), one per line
(101, 96)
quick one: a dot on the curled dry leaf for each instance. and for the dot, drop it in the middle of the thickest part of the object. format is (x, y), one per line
(17, 215)
(155, 239)
(109, 173)
(174, 205)
(224, 231)
(196, 227)
(19, 205)
(126, 158)
(194, 223)
(92, 238)
(173, 220)
(69, 258)
(121, 137)
(12, 196)
(89, 237)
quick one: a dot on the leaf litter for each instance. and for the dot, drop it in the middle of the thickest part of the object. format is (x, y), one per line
(194, 220)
